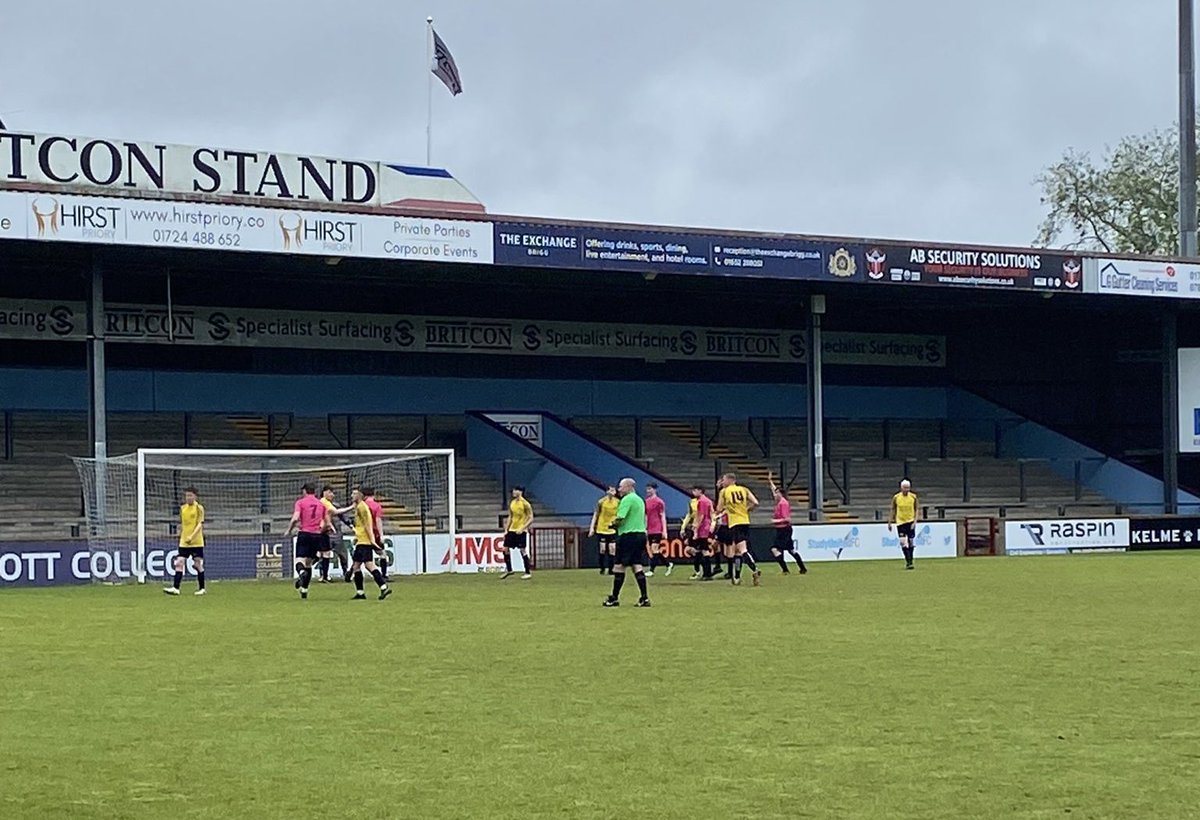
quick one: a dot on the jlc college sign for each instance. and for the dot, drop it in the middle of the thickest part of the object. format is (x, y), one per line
(46, 320)
(55, 162)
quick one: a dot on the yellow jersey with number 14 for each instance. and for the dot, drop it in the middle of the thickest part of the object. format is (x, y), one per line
(735, 499)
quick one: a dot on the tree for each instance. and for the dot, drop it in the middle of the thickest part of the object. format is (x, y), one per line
(1126, 203)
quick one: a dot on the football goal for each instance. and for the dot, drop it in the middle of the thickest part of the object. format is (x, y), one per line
(132, 505)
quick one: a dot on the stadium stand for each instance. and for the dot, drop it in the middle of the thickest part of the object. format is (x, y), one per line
(954, 469)
(40, 490)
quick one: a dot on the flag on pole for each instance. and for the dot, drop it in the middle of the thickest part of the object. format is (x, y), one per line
(443, 66)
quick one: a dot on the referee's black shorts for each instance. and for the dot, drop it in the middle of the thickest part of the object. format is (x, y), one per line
(631, 549)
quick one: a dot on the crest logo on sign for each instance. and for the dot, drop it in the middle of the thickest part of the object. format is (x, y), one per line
(876, 262)
(1071, 272)
(842, 264)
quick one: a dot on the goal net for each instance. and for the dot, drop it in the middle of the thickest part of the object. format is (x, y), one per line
(132, 504)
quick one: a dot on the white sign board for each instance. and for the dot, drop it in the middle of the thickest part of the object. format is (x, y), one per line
(166, 224)
(1189, 400)
(527, 426)
(1128, 277)
(68, 164)
(865, 542)
(1057, 536)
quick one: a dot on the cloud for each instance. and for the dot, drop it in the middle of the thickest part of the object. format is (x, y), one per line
(926, 119)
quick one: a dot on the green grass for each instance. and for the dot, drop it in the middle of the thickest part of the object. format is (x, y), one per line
(1034, 687)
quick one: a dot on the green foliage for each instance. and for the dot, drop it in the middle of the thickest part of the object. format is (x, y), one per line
(1018, 687)
(1126, 202)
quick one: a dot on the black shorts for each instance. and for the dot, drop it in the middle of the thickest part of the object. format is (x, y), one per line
(739, 533)
(701, 544)
(631, 549)
(724, 535)
(363, 553)
(191, 552)
(654, 540)
(606, 539)
(908, 530)
(783, 538)
(516, 540)
(308, 544)
(326, 543)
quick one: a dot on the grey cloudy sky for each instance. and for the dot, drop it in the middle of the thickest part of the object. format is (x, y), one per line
(920, 119)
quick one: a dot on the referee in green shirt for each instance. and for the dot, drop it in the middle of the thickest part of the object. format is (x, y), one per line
(631, 542)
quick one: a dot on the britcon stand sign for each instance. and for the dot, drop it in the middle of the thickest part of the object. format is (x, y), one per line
(60, 163)
(1059, 536)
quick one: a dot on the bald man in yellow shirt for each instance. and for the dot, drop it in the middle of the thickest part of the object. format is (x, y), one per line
(904, 516)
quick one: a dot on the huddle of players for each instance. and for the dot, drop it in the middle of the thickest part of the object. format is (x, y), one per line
(318, 523)
(712, 533)
(314, 519)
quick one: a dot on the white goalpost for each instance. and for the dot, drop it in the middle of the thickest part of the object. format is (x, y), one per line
(132, 507)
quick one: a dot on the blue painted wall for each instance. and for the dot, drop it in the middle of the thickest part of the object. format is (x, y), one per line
(170, 391)
(566, 491)
(573, 448)
(1021, 438)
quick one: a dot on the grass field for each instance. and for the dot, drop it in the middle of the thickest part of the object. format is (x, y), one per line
(1034, 687)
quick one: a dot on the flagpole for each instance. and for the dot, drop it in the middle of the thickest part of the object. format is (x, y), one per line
(429, 75)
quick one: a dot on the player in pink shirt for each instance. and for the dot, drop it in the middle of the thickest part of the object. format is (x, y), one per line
(311, 517)
(698, 532)
(781, 519)
(656, 529)
(377, 516)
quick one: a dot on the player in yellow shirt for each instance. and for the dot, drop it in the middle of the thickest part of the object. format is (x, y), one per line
(905, 516)
(736, 502)
(191, 541)
(333, 538)
(604, 528)
(516, 532)
(364, 549)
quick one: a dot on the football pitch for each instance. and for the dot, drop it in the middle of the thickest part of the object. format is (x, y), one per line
(1019, 687)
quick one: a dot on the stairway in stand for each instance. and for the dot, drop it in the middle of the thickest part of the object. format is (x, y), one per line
(398, 518)
(748, 470)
